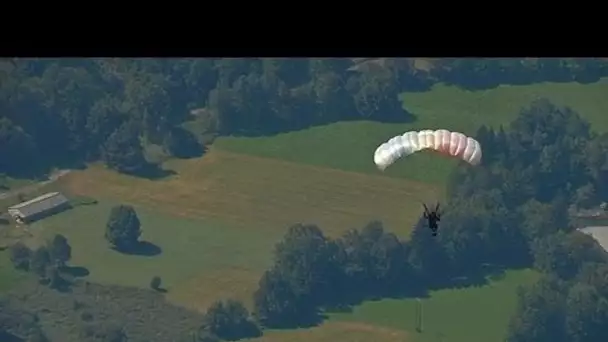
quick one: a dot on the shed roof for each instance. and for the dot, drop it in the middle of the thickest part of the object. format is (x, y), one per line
(40, 204)
(599, 233)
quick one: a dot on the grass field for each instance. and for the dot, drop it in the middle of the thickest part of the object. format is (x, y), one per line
(199, 260)
(218, 219)
(263, 195)
(337, 331)
(462, 315)
(8, 183)
(9, 277)
(350, 145)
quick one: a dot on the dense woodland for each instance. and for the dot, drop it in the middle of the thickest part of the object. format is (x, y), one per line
(510, 213)
(69, 111)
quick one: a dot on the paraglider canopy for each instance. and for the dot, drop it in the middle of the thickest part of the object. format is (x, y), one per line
(452, 144)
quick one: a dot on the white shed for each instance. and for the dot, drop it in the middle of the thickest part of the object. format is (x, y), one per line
(599, 233)
(39, 207)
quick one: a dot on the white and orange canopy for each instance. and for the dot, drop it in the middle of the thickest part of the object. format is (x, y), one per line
(447, 143)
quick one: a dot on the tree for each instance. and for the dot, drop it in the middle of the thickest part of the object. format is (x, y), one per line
(540, 313)
(586, 314)
(564, 254)
(356, 262)
(373, 262)
(597, 164)
(596, 275)
(306, 258)
(540, 220)
(376, 96)
(427, 256)
(276, 305)
(155, 283)
(60, 250)
(123, 228)
(552, 140)
(20, 256)
(123, 151)
(17, 148)
(332, 99)
(463, 239)
(56, 281)
(181, 143)
(230, 320)
(585, 196)
(40, 262)
(391, 271)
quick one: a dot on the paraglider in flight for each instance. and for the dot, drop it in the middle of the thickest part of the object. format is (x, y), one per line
(452, 144)
(447, 143)
(432, 218)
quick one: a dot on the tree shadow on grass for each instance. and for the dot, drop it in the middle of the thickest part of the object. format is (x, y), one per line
(143, 248)
(348, 301)
(303, 322)
(76, 271)
(155, 172)
(274, 128)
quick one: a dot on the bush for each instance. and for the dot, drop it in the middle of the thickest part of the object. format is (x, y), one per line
(230, 320)
(20, 256)
(155, 283)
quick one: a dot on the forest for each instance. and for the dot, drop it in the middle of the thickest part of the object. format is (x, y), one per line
(58, 112)
(510, 213)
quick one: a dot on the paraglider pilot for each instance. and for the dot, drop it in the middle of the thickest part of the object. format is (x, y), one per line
(432, 217)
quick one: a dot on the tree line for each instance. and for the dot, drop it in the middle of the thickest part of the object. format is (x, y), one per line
(483, 73)
(47, 261)
(56, 112)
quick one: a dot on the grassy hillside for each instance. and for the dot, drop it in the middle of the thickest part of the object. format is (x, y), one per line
(350, 145)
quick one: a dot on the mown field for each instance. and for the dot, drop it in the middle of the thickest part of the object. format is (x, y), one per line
(350, 145)
(217, 219)
(263, 195)
(470, 314)
(197, 257)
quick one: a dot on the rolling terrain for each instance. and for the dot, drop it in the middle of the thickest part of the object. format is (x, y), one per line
(216, 220)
